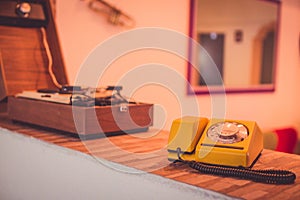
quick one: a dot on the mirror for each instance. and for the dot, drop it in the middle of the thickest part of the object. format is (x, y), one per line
(240, 37)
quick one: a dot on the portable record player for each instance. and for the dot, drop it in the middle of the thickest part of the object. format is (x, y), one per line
(31, 59)
(76, 112)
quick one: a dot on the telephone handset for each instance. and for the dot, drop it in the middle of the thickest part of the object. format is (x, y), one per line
(222, 147)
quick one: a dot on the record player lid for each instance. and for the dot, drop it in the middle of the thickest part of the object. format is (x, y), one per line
(23, 57)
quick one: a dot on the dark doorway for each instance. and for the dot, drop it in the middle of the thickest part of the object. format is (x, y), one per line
(213, 44)
(266, 75)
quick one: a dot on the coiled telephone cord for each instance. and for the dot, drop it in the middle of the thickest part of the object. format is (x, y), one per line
(269, 176)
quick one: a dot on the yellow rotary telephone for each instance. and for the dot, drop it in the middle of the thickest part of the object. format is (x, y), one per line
(222, 147)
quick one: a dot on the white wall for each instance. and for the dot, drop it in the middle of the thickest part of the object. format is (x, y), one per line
(80, 30)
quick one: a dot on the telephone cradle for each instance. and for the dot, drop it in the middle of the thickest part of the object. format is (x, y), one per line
(222, 147)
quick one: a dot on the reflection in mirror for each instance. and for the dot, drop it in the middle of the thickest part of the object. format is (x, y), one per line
(240, 37)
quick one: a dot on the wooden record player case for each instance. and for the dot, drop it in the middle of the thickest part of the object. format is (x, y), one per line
(24, 66)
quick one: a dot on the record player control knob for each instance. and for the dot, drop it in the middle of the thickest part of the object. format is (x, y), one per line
(23, 9)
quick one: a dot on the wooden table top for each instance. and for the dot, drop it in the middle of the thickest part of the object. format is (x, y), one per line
(147, 152)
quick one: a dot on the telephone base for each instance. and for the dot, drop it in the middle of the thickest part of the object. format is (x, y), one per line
(216, 141)
(173, 157)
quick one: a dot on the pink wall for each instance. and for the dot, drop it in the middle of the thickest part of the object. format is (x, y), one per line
(81, 30)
